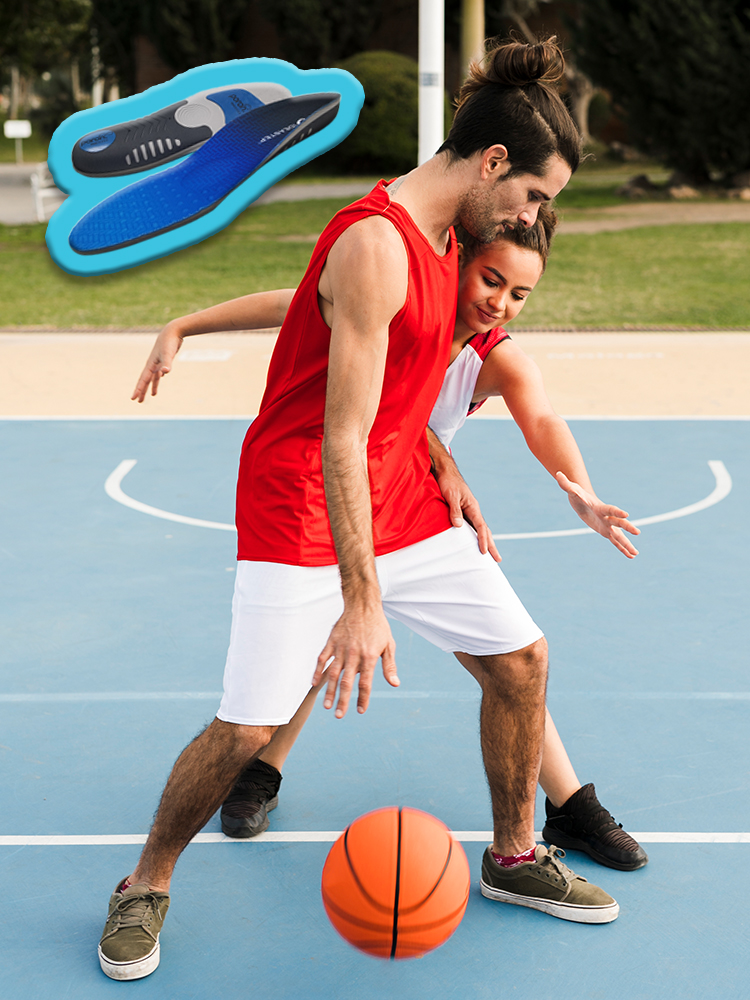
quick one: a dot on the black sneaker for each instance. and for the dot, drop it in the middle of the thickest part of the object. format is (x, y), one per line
(246, 808)
(583, 824)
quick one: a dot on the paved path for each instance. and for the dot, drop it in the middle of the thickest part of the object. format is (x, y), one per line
(660, 213)
(17, 204)
(623, 374)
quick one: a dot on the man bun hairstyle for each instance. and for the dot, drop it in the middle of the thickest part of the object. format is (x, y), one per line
(537, 238)
(511, 98)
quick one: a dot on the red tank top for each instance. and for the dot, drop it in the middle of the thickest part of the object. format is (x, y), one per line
(281, 508)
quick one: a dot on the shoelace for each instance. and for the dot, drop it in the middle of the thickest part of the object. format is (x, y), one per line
(553, 859)
(135, 911)
(602, 823)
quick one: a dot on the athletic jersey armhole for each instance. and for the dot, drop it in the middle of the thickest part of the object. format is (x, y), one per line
(483, 343)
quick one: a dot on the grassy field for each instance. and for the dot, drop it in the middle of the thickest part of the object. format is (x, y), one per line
(34, 150)
(684, 275)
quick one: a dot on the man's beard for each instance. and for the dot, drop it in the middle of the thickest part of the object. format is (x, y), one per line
(479, 217)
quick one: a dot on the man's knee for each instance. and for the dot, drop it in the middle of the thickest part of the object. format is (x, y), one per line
(523, 670)
(243, 741)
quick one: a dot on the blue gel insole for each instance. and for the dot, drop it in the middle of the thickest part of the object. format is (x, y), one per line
(193, 187)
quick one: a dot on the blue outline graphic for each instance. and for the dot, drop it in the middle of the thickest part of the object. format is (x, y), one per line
(87, 192)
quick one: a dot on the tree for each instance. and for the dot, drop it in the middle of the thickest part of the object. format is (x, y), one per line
(318, 33)
(186, 33)
(36, 35)
(677, 71)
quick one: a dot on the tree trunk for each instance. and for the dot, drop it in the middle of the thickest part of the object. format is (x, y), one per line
(15, 91)
(472, 33)
(75, 83)
(581, 91)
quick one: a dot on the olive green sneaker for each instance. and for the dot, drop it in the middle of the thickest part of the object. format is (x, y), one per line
(129, 948)
(547, 884)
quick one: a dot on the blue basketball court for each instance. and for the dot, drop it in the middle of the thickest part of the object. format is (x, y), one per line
(115, 621)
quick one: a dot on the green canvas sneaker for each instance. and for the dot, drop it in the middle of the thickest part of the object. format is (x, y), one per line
(129, 948)
(547, 884)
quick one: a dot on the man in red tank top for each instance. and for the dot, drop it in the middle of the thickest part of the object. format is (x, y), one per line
(335, 490)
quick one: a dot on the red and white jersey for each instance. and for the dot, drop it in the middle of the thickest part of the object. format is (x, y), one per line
(454, 403)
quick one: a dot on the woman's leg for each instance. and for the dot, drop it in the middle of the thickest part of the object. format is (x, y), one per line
(285, 737)
(256, 791)
(556, 775)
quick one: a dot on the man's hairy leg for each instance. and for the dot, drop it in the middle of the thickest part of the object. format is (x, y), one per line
(200, 781)
(512, 736)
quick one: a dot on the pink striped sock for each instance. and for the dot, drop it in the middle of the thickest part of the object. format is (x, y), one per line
(515, 859)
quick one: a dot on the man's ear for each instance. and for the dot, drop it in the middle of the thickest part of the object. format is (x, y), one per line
(495, 162)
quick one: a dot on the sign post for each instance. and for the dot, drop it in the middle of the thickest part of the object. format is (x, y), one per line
(18, 129)
(431, 77)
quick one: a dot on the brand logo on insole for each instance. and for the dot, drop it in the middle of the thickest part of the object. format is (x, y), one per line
(97, 142)
(239, 104)
(281, 131)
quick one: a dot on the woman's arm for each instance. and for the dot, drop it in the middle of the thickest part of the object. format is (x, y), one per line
(260, 311)
(510, 373)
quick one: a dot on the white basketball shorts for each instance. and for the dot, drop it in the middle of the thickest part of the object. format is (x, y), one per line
(443, 588)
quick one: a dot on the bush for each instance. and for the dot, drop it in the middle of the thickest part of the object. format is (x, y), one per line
(384, 141)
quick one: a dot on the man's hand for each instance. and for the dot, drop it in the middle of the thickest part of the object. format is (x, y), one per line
(356, 642)
(462, 503)
(607, 520)
(159, 363)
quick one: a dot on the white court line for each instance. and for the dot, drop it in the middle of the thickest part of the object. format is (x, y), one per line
(329, 836)
(401, 694)
(722, 488)
(113, 489)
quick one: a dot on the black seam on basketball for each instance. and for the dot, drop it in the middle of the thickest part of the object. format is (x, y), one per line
(394, 938)
(336, 908)
(370, 899)
(416, 906)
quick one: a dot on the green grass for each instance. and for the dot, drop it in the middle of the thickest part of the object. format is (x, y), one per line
(34, 149)
(683, 275)
(246, 257)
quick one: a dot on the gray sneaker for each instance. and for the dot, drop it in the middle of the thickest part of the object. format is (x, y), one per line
(547, 884)
(129, 948)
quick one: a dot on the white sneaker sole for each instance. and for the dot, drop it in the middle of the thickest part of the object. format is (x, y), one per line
(130, 970)
(565, 911)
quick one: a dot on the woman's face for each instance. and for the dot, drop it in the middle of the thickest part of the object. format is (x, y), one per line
(493, 287)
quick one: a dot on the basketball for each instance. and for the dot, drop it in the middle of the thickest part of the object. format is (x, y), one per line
(396, 884)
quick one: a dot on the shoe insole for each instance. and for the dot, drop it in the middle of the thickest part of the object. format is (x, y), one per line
(173, 197)
(143, 143)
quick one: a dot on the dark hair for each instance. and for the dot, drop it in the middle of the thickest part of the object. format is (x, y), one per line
(537, 238)
(511, 98)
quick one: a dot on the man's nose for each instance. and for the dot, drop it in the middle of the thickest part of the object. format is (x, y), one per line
(528, 216)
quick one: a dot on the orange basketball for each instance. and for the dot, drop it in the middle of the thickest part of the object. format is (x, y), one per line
(396, 883)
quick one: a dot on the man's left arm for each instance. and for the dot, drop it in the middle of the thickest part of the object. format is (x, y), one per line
(362, 287)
